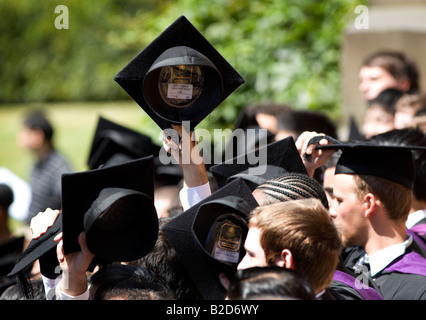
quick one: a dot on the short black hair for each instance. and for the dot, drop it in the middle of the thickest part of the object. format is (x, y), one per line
(129, 283)
(37, 120)
(269, 282)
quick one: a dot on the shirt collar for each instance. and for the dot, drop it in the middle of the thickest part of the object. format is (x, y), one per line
(382, 258)
(415, 217)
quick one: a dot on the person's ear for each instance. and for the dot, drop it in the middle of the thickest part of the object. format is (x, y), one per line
(370, 204)
(285, 259)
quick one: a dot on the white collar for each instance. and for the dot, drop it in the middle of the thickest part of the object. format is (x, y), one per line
(382, 258)
(415, 217)
(317, 296)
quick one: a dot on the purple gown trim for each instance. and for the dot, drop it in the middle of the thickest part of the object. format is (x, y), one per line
(365, 292)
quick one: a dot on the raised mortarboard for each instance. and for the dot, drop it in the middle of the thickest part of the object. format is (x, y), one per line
(209, 237)
(179, 76)
(281, 156)
(37, 248)
(113, 205)
(394, 163)
(114, 144)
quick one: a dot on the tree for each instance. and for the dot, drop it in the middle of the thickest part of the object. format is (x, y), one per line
(286, 50)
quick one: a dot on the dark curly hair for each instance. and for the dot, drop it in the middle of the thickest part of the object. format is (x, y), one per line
(293, 186)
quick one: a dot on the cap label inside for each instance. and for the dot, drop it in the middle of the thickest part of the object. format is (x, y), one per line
(179, 91)
(229, 243)
(226, 255)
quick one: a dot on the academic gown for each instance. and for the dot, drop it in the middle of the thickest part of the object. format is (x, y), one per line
(348, 291)
(420, 229)
(401, 286)
(395, 285)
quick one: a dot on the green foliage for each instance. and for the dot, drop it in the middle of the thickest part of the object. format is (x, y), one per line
(286, 50)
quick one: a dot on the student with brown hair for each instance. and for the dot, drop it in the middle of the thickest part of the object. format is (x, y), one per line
(387, 69)
(297, 235)
(371, 202)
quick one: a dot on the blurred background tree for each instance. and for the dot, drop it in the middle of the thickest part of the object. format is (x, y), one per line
(287, 50)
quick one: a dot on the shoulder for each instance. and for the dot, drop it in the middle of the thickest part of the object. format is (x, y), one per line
(402, 286)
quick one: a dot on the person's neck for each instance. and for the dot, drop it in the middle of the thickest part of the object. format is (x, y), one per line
(387, 235)
(43, 152)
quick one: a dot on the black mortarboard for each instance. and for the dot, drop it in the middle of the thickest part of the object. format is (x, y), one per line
(114, 144)
(394, 163)
(281, 156)
(113, 205)
(181, 44)
(189, 234)
(38, 248)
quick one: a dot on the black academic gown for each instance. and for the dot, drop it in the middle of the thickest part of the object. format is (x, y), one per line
(420, 234)
(394, 285)
(350, 292)
(401, 286)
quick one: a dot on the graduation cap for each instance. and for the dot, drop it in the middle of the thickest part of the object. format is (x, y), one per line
(113, 205)
(179, 76)
(114, 144)
(209, 237)
(394, 163)
(281, 156)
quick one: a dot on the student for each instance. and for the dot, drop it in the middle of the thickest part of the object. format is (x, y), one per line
(380, 113)
(387, 69)
(124, 282)
(289, 186)
(164, 261)
(265, 115)
(14, 292)
(36, 135)
(416, 221)
(209, 237)
(372, 198)
(295, 235)
(293, 123)
(406, 110)
(269, 283)
(196, 184)
(104, 219)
